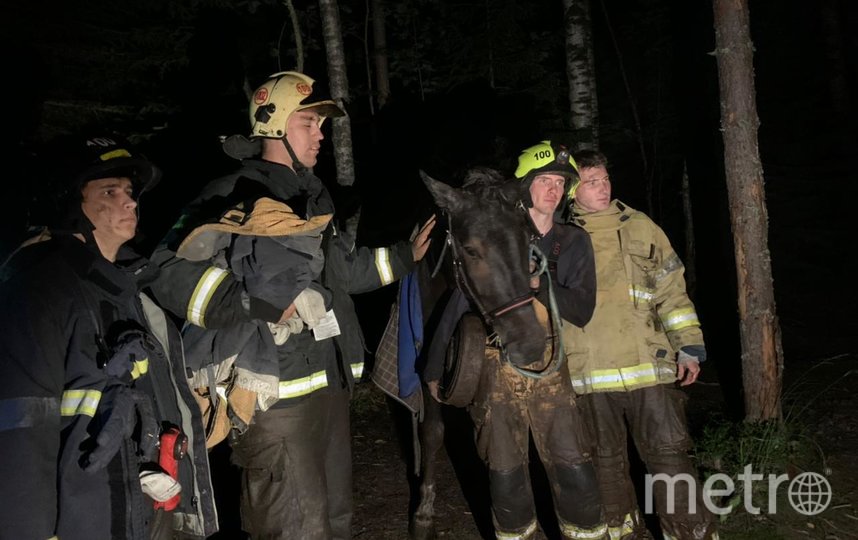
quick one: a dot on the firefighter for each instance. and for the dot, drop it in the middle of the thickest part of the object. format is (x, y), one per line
(294, 450)
(93, 380)
(644, 337)
(511, 406)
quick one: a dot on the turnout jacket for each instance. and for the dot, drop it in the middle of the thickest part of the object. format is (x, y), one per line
(643, 315)
(208, 295)
(58, 310)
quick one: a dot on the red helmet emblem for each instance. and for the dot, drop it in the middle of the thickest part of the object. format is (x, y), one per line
(304, 89)
(261, 96)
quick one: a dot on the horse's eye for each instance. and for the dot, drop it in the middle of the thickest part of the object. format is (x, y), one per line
(471, 252)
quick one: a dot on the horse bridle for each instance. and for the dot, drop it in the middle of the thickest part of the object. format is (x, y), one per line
(463, 282)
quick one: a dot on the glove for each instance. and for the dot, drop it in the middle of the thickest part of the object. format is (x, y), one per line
(130, 346)
(158, 485)
(310, 305)
(123, 407)
(282, 331)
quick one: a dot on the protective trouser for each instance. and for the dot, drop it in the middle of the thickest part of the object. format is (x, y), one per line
(508, 407)
(656, 419)
(296, 479)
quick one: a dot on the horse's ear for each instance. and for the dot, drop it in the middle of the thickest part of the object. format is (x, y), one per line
(446, 197)
(511, 191)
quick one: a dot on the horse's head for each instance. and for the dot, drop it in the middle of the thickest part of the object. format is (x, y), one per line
(491, 250)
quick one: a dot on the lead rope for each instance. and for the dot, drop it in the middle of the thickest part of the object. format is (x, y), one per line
(556, 325)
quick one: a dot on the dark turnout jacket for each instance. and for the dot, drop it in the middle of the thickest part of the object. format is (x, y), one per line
(208, 294)
(59, 308)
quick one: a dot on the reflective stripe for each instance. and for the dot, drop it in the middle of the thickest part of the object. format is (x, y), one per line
(382, 264)
(203, 293)
(670, 265)
(625, 528)
(357, 370)
(141, 367)
(573, 531)
(679, 319)
(621, 378)
(83, 402)
(303, 386)
(24, 412)
(500, 535)
(640, 294)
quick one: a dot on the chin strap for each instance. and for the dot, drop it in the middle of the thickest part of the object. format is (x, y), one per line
(299, 168)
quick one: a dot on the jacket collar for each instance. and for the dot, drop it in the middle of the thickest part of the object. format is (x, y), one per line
(612, 218)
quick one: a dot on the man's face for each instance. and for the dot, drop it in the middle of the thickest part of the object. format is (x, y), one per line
(110, 206)
(594, 191)
(546, 192)
(305, 136)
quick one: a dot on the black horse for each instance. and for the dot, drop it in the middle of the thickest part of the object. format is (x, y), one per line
(487, 256)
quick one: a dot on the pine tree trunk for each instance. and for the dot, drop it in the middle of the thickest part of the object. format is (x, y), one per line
(762, 355)
(580, 70)
(339, 90)
(379, 37)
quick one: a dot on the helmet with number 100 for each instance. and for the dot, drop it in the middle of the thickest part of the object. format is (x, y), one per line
(280, 96)
(547, 158)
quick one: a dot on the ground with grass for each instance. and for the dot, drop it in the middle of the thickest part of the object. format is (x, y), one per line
(819, 405)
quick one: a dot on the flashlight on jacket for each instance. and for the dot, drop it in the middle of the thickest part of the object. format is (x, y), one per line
(174, 446)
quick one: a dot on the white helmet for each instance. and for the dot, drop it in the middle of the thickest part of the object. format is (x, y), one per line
(280, 96)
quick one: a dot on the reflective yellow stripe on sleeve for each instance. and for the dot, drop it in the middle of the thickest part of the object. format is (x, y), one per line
(357, 370)
(203, 293)
(303, 386)
(679, 319)
(382, 264)
(80, 401)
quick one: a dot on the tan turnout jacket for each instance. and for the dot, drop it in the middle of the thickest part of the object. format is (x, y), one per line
(643, 315)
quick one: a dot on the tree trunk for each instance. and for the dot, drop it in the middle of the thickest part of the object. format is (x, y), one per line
(299, 42)
(835, 60)
(580, 70)
(690, 249)
(339, 83)
(762, 355)
(379, 37)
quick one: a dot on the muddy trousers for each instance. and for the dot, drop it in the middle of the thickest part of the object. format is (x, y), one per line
(296, 478)
(656, 419)
(507, 409)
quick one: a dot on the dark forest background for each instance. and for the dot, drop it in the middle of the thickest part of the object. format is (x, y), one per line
(472, 84)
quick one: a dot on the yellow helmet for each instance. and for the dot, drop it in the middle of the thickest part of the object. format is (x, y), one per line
(547, 158)
(281, 95)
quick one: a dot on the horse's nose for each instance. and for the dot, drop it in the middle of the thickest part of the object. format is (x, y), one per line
(526, 351)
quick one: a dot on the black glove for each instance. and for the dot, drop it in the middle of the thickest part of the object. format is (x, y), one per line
(129, 346)
(123, 407)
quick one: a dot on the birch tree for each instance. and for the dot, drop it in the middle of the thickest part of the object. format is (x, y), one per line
(580, 70)
(762, 354)
(339, 83)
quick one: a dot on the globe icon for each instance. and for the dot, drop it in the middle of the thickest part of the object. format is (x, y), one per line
(809, 493)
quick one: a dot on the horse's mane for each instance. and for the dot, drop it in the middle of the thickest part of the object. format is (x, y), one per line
(490, 184)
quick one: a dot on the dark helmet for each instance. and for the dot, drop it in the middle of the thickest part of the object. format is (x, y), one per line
(74, 160)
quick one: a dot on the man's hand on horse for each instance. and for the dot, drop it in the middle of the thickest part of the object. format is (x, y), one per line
(421, 242)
